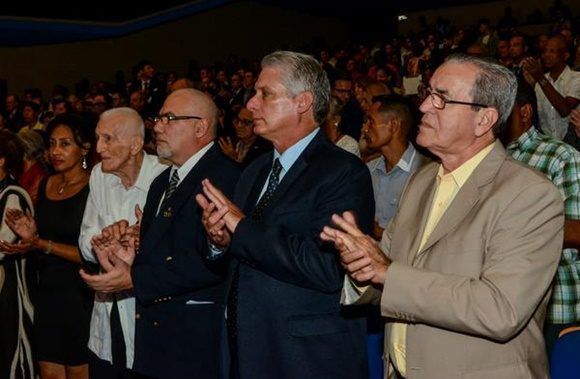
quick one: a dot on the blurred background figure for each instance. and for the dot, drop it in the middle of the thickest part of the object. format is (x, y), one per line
(332, 127)
(36, 167)
(17, 312)
(248, 146)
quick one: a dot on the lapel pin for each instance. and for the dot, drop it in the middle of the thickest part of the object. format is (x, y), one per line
(168, 212)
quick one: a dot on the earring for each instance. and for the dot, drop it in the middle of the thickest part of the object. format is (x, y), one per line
(84, 164)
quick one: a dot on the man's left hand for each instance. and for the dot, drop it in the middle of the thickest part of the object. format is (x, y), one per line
(116, 276)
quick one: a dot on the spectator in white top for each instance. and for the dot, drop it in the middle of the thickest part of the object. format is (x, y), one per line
(118, 185)
(558, 91)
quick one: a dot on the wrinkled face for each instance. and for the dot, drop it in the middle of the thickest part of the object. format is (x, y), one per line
(377, 129)
(113, 145)
(273, 109)
(244, 124)
(64, 152)
(174, 138)
(554, 54)
(343, 90)
(450, 130)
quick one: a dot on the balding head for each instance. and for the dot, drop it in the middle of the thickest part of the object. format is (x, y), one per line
(120, 134)
(126, 120)
(199, 104)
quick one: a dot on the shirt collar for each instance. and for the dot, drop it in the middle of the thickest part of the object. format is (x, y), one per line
(405, 163)
(463, 172)
(524, 140)
(185, 168)
(291, 154)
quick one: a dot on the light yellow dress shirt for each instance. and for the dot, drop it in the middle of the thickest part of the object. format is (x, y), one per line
(448, 185)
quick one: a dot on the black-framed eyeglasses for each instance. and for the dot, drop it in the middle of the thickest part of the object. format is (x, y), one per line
(244, 121)
(166, 118)
(439, 101)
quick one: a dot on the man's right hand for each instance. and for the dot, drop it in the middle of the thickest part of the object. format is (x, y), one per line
(213, 223)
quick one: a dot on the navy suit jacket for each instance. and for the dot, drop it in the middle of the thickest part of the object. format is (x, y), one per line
(290, 322)
(179, 294)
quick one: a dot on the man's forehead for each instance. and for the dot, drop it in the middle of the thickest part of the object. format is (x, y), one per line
(453, 77)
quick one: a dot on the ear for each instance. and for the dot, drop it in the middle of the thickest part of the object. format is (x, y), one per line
(487, 119)
(137, 145)
(86, 147)
(2, 162)
(304, 101)
(202, 128)
(526, 112)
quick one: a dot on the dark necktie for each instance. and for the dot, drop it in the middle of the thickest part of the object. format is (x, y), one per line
(171, 187)
(232, 309)
(267, 196)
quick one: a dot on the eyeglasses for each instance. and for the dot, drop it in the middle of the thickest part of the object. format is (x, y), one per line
(244, 121)
(166, 118)
(439, 101)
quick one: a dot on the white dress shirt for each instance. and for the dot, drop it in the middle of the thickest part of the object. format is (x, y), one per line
(108, 202)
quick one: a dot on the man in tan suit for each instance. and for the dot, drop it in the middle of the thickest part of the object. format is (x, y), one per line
(462, 273)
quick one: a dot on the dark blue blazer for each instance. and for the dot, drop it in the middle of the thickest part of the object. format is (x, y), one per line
(290, 321)
(179, 294)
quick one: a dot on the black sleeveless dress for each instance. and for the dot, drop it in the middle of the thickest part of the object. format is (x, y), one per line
(63, 302)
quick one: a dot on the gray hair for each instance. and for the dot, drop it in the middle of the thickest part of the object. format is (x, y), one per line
(132, 119)
(301, 72)
(495, 86)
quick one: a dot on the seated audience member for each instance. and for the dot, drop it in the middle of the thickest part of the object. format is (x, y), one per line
(332, 127)
(249, 145)
(558, 90)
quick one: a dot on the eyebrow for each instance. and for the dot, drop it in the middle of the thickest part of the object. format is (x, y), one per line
(441, 91)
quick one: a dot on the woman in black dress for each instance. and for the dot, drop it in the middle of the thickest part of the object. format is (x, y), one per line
(16, 309)
(63, 302)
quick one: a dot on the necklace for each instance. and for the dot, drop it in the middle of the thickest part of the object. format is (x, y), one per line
(61, 189)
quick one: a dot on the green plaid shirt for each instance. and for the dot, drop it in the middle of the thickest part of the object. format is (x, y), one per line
(561, 163)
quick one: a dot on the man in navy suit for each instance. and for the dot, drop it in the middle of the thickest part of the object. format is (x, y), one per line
(179, 293)
(284, 317)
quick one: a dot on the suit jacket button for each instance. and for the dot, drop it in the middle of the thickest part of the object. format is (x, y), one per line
(167, 259)
(137, 316)
(155, 323)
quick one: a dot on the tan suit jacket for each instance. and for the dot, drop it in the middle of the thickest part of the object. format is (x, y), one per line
(475, 296)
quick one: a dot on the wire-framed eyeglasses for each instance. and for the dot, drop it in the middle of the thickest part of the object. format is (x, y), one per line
(166, 118)
(440, 102)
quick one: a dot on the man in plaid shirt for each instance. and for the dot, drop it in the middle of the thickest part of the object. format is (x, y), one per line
(561, 163)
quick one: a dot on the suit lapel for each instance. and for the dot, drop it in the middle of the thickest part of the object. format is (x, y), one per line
(184, 190)
(467, 197)
(254, 190)
(293, 174)
(153, 199)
